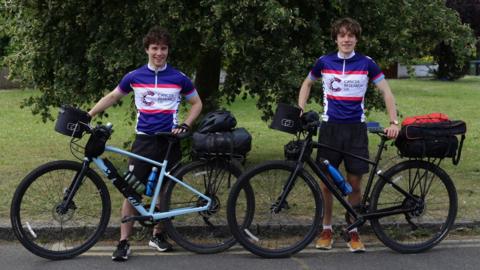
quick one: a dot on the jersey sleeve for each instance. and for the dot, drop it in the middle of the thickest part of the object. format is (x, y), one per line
(125, 84)
(375, 74)
(188, 89)
(316, 71)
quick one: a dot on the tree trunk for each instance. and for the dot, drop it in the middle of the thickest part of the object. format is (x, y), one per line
(207, 79)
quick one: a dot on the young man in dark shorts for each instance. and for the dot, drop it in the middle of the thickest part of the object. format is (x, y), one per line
(158, 89)
(345, 75)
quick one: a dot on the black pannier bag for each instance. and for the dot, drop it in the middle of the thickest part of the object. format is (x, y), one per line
(435, 147)
(429, 130)
(432, 140)
(236, 142)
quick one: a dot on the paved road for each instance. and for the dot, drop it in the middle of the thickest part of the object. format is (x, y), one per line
(448, 255)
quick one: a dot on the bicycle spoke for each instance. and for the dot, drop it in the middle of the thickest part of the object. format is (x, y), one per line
(52, 232)
(205, 231)
(430, 200)
(284, 231)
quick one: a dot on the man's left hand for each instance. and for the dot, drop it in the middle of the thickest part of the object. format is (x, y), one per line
(181, 129)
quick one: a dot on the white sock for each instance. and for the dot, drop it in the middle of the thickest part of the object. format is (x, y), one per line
(327, 227)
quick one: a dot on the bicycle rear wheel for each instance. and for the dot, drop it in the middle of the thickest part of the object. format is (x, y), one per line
(207, 231)
(434, 206)
(40, 225)
(270, 234)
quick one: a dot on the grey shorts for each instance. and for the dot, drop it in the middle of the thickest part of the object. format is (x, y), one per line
(351, 138)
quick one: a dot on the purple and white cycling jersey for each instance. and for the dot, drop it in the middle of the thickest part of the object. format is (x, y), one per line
(345, 82)
(157, 96)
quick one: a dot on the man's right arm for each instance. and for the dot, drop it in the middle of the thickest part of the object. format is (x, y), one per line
(107, 101)
(304, 92)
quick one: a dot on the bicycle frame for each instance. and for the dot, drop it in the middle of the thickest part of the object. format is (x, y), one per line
(359, 217)
(133, 198)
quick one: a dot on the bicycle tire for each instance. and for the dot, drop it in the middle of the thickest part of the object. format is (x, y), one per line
(203, 232)
(277, 235)
(434, 212)
(44, 231)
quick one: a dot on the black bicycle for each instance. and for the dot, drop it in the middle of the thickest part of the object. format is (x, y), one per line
(411, 207)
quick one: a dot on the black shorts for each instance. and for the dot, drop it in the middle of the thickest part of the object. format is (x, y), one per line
(152, 147)
(351, 138)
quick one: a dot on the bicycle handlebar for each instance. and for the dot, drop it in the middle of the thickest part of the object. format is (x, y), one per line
(379, 130)
(311, 125)
(108, 128)
(180, 136)
(376, 130)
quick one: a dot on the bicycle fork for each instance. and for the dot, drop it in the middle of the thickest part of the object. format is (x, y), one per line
(73, 188)
(281, 202)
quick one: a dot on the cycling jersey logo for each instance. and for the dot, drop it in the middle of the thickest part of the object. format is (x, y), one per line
(332, 86)
(145, 97)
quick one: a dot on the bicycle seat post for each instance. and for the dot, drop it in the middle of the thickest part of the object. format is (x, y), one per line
(171, 141)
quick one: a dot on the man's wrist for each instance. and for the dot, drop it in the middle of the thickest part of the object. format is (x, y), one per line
(394, 122)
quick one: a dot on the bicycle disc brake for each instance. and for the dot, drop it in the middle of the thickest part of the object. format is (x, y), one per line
(419, 209)
(63, 214)
(212, 210)
(277, 207)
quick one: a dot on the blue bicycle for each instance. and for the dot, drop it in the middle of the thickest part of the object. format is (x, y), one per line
(62, 208)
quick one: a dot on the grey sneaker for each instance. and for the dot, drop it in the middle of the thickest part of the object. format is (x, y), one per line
(122, 251)
(159, 242)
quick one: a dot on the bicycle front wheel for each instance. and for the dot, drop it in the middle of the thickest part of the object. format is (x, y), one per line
(278, 229)
(432, 200)
(42, 227)
(206, 231)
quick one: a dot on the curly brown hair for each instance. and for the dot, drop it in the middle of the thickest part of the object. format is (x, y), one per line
(156, 35)
(349, 24)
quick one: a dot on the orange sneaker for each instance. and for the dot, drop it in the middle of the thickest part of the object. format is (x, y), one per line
(325, 240)
(355, 244)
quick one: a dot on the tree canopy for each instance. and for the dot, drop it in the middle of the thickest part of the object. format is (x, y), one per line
(469, 11)
(74, 51)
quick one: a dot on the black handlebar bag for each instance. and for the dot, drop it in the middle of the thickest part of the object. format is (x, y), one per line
(286, 119)
(72, 121)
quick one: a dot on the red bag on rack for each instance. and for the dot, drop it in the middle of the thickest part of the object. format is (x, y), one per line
(426, 118)
(431, 136)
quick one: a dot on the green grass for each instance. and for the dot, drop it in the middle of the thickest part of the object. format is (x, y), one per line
(459, 100)
(26, 142)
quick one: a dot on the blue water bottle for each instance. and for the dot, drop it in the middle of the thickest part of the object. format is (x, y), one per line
(338, 179)
(152, 181)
